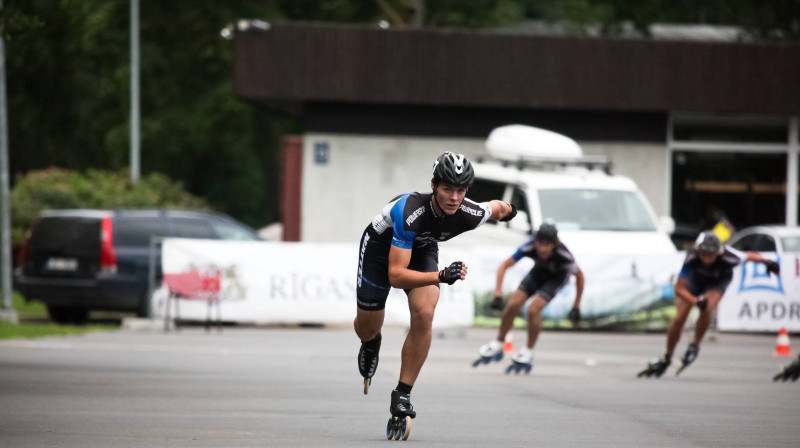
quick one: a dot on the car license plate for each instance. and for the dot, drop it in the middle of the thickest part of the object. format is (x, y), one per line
(62, 264)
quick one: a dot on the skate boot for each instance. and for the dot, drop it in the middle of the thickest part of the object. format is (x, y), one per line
(493, 351)
(691, 354)
(368, 360)
(399, 424)
(789, 372)
(655, 367)
(521, 362)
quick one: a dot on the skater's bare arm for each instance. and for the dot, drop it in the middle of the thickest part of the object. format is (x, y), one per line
(683, 293)
(501, 273)
(578, 288)
(499, 209)
(772, 266)
(403, 278)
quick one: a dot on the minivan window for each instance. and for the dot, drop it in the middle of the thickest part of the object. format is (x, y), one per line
(747, 243)
(77, 236)
(137, 232)
(191, 228)
(227, 231)
(585, 209)
(766, 244)
(791, 243)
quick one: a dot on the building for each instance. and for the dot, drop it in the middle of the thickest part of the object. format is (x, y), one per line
(704, 128)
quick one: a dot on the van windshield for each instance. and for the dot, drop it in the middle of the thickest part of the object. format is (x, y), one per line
(608, 210)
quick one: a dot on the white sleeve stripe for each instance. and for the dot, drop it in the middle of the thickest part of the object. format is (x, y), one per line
(487, 212)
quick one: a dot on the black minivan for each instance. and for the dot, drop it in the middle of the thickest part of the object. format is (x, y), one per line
(75, 261)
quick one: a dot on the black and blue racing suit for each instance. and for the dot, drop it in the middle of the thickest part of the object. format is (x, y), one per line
(408, 222)
(548, 275)
(716, 276)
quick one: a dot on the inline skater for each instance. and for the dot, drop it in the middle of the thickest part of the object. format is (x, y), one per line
(706, 273)
(399, 249)
(553, 264)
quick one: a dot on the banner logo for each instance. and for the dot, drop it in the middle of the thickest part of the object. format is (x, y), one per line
(755, 277)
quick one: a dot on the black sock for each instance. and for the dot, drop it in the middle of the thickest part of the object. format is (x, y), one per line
(403, 388)
(667, 357)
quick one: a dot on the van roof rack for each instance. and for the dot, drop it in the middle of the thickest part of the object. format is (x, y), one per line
(590, 162)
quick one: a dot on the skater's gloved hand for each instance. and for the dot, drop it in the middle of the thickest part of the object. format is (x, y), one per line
(497, 303)
(702, 303)
(773, 267)
(789, 372)
(510, 214)
(574, 316)
(452, 273)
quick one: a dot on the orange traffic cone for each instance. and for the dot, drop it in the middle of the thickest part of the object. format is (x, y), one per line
(782, 345)
(508, 346)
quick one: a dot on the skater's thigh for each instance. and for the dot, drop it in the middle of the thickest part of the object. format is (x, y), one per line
(518, 298)
(682, 309)
(537, 304)
(713, 296)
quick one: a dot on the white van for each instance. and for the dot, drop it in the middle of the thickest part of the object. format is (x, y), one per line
(548, 178)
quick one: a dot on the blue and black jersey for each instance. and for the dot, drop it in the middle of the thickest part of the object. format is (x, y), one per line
(409, 221)
(559, 262)
(717, 275)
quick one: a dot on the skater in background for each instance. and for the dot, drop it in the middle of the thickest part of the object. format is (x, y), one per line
(553, 265)
(706, 273)
(789, 372)
(399, 249)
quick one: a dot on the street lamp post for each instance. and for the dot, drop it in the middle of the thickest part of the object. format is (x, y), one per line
(135, 143)
(7, 313)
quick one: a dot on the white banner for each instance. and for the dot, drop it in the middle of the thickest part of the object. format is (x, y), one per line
(266, 282)
(269, 282)
(759, 301)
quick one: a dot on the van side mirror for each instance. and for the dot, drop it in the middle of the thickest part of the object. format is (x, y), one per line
(667, 224)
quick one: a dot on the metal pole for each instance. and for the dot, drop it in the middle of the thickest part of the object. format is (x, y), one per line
(792, 172)
(135, 143)
(7, 313)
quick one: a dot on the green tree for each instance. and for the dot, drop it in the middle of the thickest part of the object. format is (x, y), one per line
(57, 188)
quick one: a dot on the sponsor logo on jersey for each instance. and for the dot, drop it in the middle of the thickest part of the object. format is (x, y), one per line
(471, 211)
(361, 259)
(413, 217)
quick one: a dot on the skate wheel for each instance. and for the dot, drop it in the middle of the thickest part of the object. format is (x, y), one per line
(528, 369)
(367, 382)
(509, 369)
(389, 430)
(397, 428)
(477, 362)
(405, 428)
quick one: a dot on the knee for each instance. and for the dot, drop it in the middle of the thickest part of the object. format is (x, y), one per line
(422, 318)
(534, 313)
(679, 319)
(367, 329)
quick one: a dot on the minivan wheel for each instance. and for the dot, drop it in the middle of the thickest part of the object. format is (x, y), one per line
(67, 315)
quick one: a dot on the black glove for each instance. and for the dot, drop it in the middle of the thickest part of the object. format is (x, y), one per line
(702, 303)
(510, 214)
(451, 273)
(574, 316)
(790, 372)
(773, 267)
(497, 303)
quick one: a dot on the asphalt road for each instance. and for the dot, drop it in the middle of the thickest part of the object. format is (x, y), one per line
(300, 387)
